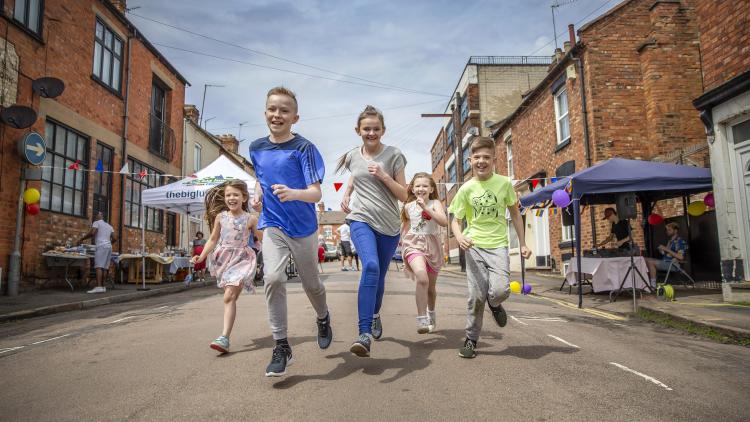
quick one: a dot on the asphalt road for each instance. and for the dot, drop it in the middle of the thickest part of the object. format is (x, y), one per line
(149, 360)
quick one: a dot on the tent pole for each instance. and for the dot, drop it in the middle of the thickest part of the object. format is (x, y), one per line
(577, 222)
(143, 246)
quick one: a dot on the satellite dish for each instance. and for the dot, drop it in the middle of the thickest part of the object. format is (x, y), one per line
(48, 87)
(19, 117)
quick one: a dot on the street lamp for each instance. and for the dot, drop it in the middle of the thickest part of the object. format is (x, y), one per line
(203, 103)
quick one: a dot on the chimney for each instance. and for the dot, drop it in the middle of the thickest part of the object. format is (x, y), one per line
(566, 46)
(121, 5)
(229, 142)
(191, 112)
(572, 34)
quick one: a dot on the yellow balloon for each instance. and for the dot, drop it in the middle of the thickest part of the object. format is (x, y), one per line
(31, 196)
(697, 208)
(515, 287)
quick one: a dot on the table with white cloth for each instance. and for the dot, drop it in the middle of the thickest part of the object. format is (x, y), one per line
(607, 273)
(66, 260)
(179, 262)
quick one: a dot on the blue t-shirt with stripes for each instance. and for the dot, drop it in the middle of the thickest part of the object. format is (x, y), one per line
(297, 164)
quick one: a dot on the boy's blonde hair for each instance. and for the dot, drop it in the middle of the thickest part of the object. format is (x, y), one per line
(482, 142)
(280, 90)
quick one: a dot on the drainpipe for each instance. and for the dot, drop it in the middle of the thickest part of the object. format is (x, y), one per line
(584, 113)
(186, 220)
(124, 145)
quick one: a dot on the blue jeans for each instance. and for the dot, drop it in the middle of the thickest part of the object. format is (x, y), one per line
(375, 250)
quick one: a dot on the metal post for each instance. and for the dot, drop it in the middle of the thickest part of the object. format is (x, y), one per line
(14, 267)
(577, 222)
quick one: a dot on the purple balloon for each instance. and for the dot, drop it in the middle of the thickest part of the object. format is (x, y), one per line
(526, 289)
(561, 198)
(709, 200)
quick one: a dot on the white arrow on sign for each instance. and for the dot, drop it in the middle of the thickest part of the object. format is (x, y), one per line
(38, 149)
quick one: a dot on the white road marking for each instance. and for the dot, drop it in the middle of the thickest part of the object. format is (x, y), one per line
(550, 319)
(652, 379)
(122, 319)
(10, 349)
(563, 341)
(518, 320)
(50, 339)
(162, 307)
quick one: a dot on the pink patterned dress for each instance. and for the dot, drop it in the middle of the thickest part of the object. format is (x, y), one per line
(233, 261)
(421, 237)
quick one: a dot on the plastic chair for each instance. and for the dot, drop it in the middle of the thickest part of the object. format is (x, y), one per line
(676, 267)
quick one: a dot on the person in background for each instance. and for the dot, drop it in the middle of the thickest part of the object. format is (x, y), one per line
(619, 230)
(200, 268)
(674, 250)
(103, 235)
(346, 247)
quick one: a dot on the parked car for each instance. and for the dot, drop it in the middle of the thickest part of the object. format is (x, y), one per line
(332, 254)
(397, 254)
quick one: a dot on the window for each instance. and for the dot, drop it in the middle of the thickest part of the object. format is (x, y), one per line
(561, 116)
(464, 110)
(197, 157)
(107, 56)
(160, 137)
(64, 190)
(452, 173)
(103, 181)
(509, 150)
(465, 153)
(134, 185)
(449, 133)
(29, 13)
(328, 232)
(568, 232)
(171, 229)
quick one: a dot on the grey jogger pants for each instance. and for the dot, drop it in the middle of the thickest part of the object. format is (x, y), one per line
(488, 277)
(277, 247)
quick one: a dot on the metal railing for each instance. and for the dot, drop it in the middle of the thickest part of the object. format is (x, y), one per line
(161, 139)
(511, 60)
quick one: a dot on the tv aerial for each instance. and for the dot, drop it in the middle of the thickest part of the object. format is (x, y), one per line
(48, 87)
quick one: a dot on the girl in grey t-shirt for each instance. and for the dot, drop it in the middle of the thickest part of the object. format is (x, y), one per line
(378, 182)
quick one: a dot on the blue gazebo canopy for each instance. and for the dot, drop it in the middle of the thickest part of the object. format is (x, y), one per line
(600, 184)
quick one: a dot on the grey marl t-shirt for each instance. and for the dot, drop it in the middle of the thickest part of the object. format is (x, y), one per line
(372, 202)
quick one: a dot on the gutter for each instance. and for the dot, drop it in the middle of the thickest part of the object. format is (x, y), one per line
(125, 120)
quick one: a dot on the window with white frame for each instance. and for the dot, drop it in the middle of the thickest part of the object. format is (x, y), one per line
(568, 232)
(197, 155)
(64, 190)
(29, 13)
(561, 115)
(466, 153)
(509, 150)
(449, 133)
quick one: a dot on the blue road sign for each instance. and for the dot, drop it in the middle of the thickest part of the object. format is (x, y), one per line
(32, 148)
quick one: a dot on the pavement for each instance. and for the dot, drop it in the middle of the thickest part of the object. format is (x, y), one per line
(149, 360)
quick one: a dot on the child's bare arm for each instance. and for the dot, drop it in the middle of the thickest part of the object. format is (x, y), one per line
(464, 242)
(213, 239)
(438, 214)
(347, 195)
(252, 224)
(310, 194)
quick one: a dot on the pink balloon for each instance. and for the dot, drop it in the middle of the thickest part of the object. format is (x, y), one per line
(709, 200)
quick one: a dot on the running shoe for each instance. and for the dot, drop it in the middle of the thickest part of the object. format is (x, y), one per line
(469, 350)
(377, 327)
(433, 319)
(501, 317)
(325, 332)
(423, 324)
(221, 344)
(280, 358)
(361, 347)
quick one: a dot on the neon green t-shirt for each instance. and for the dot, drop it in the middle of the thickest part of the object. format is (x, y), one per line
(482, 204)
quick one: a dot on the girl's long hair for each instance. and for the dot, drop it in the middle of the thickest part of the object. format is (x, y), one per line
(412, 197)
(215, 203)
(369, 111)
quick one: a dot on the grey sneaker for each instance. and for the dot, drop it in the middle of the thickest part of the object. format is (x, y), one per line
(469, 350)
(361, 347)
(325, 333)
(221, 344)
(377, 327)
(280, 358)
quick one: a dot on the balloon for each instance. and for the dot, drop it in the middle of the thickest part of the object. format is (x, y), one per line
(561, 198)
(709, 200)
(31, 196)
(515, 287)
(655, 219)
(697, 208)
(32, 209)
(526, 289)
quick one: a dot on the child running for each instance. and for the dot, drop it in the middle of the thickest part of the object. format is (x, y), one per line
(289, 170)
(233, 261)
(421, 246)
(482, 202)
(377, 177)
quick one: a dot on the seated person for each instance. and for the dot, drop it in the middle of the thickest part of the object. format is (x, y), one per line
(675, 250)
(619, 231)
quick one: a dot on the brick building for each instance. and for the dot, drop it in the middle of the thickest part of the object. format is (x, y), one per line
(624, 89)
(489, 89)
(122, 104)
(725, 110)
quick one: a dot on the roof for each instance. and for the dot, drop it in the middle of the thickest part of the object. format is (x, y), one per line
(332, 217)
(139, 36)
(605, 15)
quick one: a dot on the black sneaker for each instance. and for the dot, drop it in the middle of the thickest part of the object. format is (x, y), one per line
(361, 347)
(325, 333)
(501, 317)
(281, 357)
(377, 328)
(469, 350)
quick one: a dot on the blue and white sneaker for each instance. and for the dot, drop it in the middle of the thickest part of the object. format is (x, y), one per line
(377, 327)
(221, 344)
(280, 358)
(361, 347)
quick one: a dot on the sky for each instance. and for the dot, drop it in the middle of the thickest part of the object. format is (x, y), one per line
(404, 57)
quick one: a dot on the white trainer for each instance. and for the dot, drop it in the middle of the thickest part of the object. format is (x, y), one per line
(98, 289)
(423, 324)
(431, 315)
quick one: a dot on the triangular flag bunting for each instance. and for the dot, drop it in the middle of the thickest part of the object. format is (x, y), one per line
(143, 173)
(125, 169)
(553, 180)
(74, 166)
(337, 185)
(534, 182)
(449, 186)
(100, 166)
(193, 176)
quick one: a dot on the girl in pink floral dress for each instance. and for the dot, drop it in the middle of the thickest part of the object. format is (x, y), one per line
(420, 245)
(231, 259)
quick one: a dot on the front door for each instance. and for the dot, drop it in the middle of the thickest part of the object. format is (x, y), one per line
(540, 227)
(741, 138)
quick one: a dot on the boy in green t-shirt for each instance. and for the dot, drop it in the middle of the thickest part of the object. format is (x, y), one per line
(482, 202)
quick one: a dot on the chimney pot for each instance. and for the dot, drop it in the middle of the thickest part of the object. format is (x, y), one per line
(230, 143)
(121, 5)
(572, 34)
(191, 112)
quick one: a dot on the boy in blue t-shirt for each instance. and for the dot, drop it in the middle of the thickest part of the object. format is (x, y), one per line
(289, 170)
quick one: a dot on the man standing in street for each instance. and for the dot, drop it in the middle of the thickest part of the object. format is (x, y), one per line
(346, 247)
(103, 235)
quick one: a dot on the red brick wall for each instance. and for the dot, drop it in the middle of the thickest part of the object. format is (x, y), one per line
(67, 53)
(725, 39)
